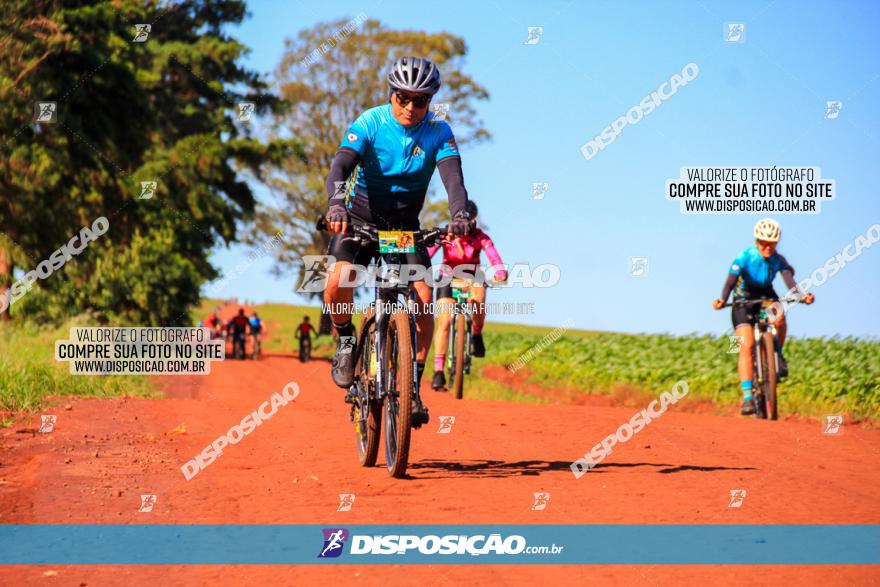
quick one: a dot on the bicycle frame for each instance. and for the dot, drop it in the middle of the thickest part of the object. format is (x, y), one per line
(374, 390)
(762, 325)
(758, 332)
(765, 398)
(385, 297)
(460, 307)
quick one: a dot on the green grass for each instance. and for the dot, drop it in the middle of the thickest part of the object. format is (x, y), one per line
(29, 373)
(828, 375)
(487, 389)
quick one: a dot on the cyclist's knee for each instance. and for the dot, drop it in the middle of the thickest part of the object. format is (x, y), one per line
(340, 271)
(444, 308)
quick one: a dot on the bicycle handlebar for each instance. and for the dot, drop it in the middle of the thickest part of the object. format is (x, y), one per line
(761, 300)
(426, 236)
(488, 283)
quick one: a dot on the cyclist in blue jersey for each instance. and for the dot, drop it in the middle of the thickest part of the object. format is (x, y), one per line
(256, 323)
(751, 277)
(256, 332)
(379, 178)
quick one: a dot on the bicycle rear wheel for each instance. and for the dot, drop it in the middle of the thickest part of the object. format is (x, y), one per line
(367, 412)
(398, 366)
(460, 341)
(769, 355)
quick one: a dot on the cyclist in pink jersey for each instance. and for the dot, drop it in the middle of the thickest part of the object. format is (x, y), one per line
(458, 251)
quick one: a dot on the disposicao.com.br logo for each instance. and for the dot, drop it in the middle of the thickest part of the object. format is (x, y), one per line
(479, 544)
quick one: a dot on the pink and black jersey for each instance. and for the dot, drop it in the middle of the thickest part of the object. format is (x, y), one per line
(465, 250)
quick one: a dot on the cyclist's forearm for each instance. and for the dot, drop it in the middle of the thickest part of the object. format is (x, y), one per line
(788, 278)
(492, 254)
(453, 181)
(729, 284)
(340, 169)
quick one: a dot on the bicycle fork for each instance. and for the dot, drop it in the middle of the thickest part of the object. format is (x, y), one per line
(379, 344)
(759, 344)
(411, 306)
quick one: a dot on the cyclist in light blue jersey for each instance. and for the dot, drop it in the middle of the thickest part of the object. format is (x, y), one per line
(379, 178)
(751, 277)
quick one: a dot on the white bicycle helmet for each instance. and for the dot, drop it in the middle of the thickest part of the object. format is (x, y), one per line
(768, 229)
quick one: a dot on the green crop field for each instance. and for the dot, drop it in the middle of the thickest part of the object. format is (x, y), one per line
(828, 375)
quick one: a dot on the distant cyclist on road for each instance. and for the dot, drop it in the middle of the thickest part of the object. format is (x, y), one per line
(256, 328)
(255, 323)
(392, 151)
(213, 321)
(751, 277)
(238, 327)
(305, 329)
(459, 251)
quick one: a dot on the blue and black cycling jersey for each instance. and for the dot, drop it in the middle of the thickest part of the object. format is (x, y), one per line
(394, 166)
(256, 325)
(751, 275)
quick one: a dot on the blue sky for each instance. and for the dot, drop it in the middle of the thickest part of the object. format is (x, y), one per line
(756, 103)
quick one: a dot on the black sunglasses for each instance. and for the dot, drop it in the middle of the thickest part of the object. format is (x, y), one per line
(419, 100)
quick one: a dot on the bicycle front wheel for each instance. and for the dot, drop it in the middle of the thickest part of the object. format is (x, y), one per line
(769, 356)
(398, 371)
(460, 341)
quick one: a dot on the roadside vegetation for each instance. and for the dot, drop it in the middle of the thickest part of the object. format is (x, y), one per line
(29, 373)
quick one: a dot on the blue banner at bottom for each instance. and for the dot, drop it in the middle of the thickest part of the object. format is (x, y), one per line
(214, 544)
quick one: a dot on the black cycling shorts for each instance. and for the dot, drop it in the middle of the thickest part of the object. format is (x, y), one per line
(749, 314)
(346, 248)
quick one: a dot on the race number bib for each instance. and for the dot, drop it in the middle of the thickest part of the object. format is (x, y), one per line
(396, 241)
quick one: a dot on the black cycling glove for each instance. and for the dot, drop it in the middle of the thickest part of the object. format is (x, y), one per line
(462, 224)
(337, 213)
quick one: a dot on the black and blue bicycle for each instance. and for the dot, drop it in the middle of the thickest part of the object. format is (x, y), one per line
(385, 360)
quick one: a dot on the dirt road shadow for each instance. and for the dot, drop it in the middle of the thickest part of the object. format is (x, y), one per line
(497, 468)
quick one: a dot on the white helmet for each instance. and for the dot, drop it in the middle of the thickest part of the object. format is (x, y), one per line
(768, 229)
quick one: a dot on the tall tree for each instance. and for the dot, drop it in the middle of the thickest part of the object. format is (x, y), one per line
(331, 73)
(133, 105)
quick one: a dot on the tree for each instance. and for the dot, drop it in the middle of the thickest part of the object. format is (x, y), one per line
(331, 73)
(162, 109)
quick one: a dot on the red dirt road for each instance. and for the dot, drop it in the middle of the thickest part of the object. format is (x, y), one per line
(104, 454)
